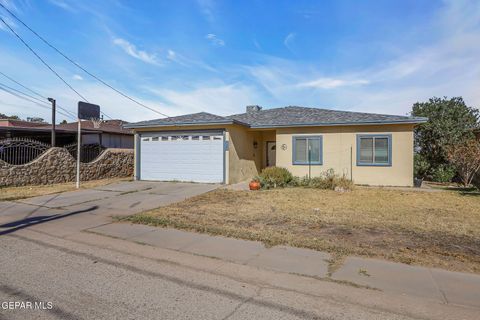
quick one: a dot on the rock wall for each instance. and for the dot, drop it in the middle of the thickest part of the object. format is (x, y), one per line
(56, 165)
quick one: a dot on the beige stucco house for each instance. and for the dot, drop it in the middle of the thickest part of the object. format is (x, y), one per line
(371, 149)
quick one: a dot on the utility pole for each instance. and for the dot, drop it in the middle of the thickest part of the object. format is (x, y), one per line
(54, 106)
(79, 149)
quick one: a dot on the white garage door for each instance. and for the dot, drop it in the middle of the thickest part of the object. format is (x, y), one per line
(194, 157)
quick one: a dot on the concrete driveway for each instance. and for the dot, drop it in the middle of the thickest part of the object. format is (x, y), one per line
(65, 212)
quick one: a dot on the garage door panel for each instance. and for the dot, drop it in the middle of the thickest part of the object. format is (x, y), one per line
(183, 160)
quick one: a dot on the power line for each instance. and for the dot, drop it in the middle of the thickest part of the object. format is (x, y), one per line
(27, 99)
(72, 115)
(79, 66)
(21, 85)
(40, 58)
(42, 96)
(36, 93)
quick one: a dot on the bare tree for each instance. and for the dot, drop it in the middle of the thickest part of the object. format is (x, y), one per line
(466, 158)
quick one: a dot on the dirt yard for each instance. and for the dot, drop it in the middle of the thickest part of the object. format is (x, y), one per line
(16, 193)
(440, 229)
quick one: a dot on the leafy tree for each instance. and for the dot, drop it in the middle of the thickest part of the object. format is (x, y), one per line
(450, 122)
(466, 159)
(36, 119)
(4, 116)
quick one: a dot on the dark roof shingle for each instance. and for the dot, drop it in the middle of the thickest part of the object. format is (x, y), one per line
(292, 115)
(283, 117)
(194, 118)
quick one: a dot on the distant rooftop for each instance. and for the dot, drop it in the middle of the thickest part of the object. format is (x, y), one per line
(112, 126)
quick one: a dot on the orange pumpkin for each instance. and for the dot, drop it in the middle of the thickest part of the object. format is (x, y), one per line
(254, 185)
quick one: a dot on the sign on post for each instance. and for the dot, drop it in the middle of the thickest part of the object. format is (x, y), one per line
(86, 111)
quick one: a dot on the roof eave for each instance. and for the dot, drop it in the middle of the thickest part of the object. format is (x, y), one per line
(347, 123)
(183, 124)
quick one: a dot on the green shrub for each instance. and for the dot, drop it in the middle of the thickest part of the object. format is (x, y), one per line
(443, 173)
(330, 180)
(275, 177)
(343, 183)
(327, 180)
(421, 166)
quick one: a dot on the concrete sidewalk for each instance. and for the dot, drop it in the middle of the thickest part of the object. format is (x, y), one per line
(427, 283)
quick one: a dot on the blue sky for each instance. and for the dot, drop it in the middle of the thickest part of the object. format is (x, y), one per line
(218, 56)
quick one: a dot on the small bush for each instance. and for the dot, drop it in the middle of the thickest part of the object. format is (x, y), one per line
(275, 177)
(421, 166)
(444, 173)
(343, 183)
(327, 180)
(330, 181)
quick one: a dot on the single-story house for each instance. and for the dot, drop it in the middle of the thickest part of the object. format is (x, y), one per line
(371, 149)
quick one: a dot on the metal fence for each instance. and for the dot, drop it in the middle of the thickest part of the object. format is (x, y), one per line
(88, 152)
(18, 151)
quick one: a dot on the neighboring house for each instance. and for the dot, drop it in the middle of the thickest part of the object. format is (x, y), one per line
(40, 131)
(371, 149)
(109, 133)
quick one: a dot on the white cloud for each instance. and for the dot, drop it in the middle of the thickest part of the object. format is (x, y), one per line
(132, 50)
(207, 8)
(188, 62)
(77, 77)
(218, 98)
(331, 83)
(216, 41)
(62, 4)
(445, 66)
(289, 40)
(171, 55)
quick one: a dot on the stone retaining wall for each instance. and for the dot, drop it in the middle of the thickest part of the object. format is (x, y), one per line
(56, 165)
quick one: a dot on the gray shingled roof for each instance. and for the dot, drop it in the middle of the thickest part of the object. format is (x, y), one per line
(284, 117)
(291, 116)
(194, 118)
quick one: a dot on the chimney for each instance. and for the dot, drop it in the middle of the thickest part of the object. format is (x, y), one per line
(252, 109)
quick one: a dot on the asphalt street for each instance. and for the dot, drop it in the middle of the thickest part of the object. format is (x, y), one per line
(50, 259)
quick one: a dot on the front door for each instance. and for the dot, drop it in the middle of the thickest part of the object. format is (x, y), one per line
(271, 153)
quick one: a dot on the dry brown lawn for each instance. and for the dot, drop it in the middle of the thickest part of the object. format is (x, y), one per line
(440, 229)
(16, 193)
